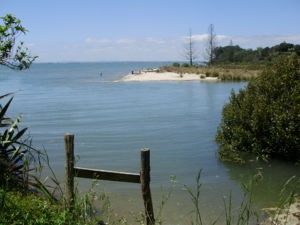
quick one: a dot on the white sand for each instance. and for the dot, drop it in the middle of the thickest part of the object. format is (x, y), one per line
(289, 215)
(165, 76)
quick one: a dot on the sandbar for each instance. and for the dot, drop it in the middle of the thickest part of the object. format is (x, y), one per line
(165, 76)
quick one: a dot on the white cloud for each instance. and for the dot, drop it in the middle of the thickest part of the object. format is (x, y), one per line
(155, 40)
(94, 40)
(125, 41)
(199, 37)
(149, 48)
(202, 38)
(223, 38)
(90, 40)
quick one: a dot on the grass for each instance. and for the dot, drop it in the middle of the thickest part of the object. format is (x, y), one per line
(21, 208)
(283, 214)
(17, 207)
(226, 72)
(246, 213)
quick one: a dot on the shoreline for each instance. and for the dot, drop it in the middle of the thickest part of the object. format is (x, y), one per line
(165, 76)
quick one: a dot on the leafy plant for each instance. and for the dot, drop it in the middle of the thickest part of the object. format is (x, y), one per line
(17, 157)
(28, 208)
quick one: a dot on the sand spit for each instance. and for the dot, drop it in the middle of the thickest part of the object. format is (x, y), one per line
(165, 76)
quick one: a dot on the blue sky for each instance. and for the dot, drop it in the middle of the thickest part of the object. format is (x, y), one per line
(152, 30)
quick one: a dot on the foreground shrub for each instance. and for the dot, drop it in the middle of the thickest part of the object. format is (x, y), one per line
(19, 208)
(264, 118)
(17, 157)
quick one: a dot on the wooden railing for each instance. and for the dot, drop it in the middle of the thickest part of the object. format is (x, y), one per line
(142, 178)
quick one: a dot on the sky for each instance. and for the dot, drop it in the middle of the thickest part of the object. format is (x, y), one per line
(148, 30)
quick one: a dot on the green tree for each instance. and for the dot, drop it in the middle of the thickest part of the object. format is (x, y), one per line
(236, 54)
(264, 118)
(12, 54)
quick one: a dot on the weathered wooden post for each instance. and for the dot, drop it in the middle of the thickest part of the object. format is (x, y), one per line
(145, 184)
(69, 147)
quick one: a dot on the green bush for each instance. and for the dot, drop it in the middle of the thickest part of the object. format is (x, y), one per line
(215, 74)
(185, 65)
(17, 157)
(20, 208)
(264, 118)
(176, 64)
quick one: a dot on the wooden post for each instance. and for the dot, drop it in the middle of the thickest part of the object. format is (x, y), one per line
(69, 147)
(145, 184)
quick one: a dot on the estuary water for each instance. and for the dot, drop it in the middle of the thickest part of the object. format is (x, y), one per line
(112, 121)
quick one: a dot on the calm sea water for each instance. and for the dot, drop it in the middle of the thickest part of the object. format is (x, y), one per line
(112, 121)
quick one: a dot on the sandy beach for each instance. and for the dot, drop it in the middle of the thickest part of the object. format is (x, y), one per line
(165, 76)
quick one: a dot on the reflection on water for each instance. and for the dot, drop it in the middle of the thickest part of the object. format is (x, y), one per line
(112, 121)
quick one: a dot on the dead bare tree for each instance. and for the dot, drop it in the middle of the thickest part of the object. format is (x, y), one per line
(211, 44)
(190, 52)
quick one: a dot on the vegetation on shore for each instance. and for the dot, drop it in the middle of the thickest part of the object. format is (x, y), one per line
(20, 208)
(268, 55)
(233, 63)
(264, 117)
(224, 72)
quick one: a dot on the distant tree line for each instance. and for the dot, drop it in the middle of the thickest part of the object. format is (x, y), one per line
(236, 54)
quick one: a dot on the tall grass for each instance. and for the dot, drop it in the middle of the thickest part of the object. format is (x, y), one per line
(223, 72)
(246, 213)
(195, 199)
(283, 213)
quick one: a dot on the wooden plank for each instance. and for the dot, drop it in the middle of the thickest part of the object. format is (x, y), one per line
(107, 175)
(69, 148)
(145, 185)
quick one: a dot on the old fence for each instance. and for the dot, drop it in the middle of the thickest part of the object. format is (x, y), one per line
(142, 178)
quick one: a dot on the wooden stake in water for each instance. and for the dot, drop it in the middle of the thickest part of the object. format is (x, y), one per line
(69, 147)
(145, 184)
